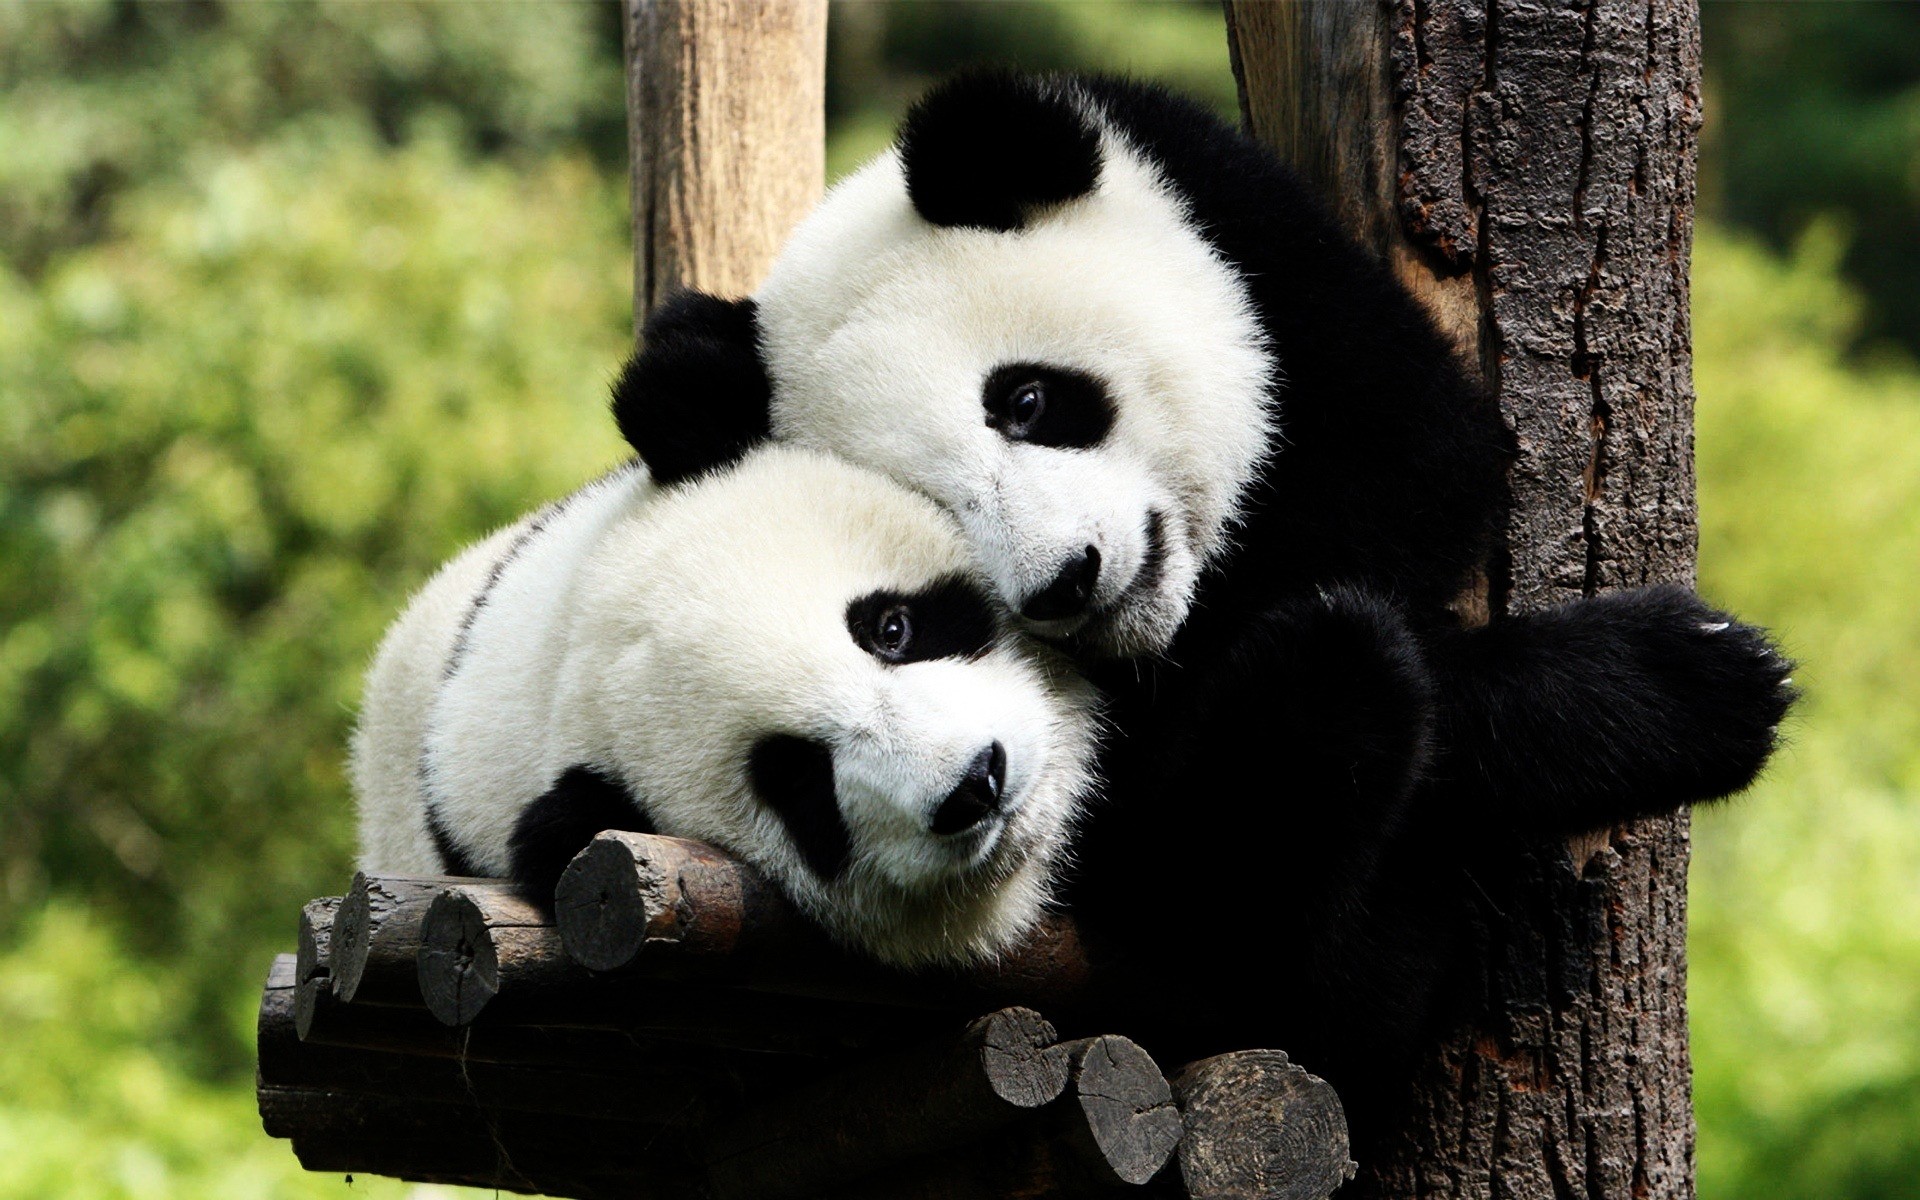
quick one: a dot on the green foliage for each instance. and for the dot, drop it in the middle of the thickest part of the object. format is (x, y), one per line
(1806, 939)
(102, 96)
(93, 1104)
(1814, 114)
(881, 56)
(232, 437)
(295, 299)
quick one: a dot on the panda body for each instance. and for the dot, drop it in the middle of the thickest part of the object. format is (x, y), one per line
(702, 660)
(1198, 435)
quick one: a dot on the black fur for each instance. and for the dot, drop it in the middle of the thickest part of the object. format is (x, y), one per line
(989, 149)
(1362, 772)
(453, 859)
(949, 618)
(1077, 411)
(1354, 772)
(550, 831)
(1392, 467)
(793, 776)
(1622, 706)
(695, 396)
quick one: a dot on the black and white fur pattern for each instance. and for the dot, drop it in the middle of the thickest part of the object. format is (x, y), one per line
(1257, 483)
(698, 660)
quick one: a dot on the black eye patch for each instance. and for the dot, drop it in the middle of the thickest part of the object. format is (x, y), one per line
(950, 618)
(1047, 406)
(793, 776)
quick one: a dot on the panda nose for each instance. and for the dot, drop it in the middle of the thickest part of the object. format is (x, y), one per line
(977, 795)
(1071, 589)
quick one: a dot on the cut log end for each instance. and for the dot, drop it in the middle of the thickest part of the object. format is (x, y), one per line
(1259, 1127)
(353, 934)
(1018, 1057)
(313, 958)
(607, 904)
(1122, 1119)
(459, 969)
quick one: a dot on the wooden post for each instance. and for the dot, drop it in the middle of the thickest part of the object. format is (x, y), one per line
(1528, 169)
(726, 123)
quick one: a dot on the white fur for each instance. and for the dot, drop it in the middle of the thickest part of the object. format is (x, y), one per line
(657, 634)
(880, 328)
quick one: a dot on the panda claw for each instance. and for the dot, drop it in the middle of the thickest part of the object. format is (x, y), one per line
(1716, 626)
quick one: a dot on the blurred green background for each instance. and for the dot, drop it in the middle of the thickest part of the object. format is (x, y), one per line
(295, 299)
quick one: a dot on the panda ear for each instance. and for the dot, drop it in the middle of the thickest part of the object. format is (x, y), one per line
(696, 395)
(987, 148)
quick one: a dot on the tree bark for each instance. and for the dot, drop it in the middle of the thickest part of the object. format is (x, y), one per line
(1528, 170)
(726, 121)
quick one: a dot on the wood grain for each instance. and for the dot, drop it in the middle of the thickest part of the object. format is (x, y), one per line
(726, 122)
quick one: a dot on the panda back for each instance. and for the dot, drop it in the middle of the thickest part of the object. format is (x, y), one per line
(389, 735)
(496, 735)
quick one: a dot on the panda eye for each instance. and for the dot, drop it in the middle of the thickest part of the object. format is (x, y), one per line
(1025, 409)
(1047, 406)
(893, 633)
(949, 618)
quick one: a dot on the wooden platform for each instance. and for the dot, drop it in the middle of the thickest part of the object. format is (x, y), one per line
(676, 1029)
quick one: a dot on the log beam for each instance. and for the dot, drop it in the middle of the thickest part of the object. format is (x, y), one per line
(726, 123)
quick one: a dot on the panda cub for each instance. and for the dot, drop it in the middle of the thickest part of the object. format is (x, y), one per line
(792, 659)
(1197, 435)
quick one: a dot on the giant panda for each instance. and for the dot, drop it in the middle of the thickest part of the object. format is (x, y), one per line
(791, 658)
(1204, 440)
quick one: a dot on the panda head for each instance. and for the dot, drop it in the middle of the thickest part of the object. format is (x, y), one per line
(1012, 313)
(794, 659)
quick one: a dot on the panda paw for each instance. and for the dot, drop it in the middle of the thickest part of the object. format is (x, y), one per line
(1620, 706)
(1718, 691)
(1332, 694)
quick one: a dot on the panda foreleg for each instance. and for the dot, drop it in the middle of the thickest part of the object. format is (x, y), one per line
(1297, 751)
(1309, 732)
(583, 802)
(1603, 710)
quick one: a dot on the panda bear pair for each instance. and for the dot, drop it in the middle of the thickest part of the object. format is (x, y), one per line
(1197, 437)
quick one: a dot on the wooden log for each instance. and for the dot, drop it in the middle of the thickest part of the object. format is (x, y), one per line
(312, 955)
(1119, 1116)
(1259, 1128)
(726, 122)
(668, 1090)
(1114, 1128)
(629, 893)
(484, 951)
(444, 1143)
(414, 1031)
(888, 1110)
(346, 1114)
(477, 942)
(678, 909)
(376, 934)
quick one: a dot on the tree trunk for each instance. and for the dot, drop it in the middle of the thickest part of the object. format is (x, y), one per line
(726, 123)
(1528, 170)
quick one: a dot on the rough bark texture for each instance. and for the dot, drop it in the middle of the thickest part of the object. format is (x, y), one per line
(1528, 168)
(726, 118)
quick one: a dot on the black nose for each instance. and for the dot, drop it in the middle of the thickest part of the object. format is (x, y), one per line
(1071, 589)
(977, 795)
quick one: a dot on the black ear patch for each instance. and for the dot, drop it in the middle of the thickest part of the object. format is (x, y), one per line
(696, 396)
(987, 148)
(557, 826)
(794, 777)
